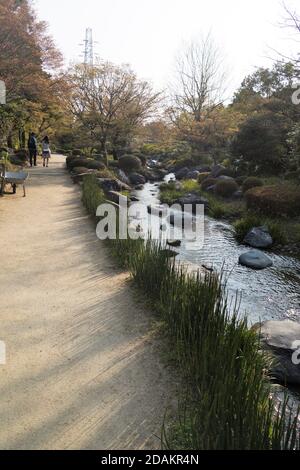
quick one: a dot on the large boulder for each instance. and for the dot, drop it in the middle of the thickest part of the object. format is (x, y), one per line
(217, 171)
(137, 179)
(123, 177)
(182, 173)
(282, 339)
(258, 237)
(255, 259)
(193, 175)
(110, 184)
(192, 199)
(238, 194)
(203, 169)
(155, 175)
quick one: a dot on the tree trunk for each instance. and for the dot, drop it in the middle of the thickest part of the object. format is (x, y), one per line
(104, 150)
(10, 141)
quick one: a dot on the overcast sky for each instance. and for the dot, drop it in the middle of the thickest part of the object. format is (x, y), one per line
(147, 33)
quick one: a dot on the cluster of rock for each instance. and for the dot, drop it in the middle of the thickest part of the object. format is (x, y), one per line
(282, 340)
(257, 237)
(123, 175)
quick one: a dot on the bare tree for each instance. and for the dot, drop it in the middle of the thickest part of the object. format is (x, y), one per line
(200, 78)
(291, 21)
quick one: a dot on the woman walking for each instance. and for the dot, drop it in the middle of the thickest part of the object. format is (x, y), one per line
(46, 150)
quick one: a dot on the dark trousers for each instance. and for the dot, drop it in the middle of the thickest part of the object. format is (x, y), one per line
(32, 156)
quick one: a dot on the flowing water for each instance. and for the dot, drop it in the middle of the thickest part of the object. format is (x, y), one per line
(273, 293)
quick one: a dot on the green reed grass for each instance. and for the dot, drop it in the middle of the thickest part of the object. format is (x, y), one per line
(226, 402)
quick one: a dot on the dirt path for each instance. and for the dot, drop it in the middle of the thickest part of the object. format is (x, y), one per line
(82, 369)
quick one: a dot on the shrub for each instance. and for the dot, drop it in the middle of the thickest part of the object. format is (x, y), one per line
(169, 192)
(293, 175)
(202, 177)
(251, 182)
(21, 154)
(274, 200)
(60, 151)
(226, 188)
(208, 183)
(99, 157)
(94, 165)
(78, 162)
(184, 163)
(246, 223)
(105, 173)
(70, 159)
(92, 195)
(15, 160)
(190, 186)
(130, 163)
(113, 164)
(76, 152)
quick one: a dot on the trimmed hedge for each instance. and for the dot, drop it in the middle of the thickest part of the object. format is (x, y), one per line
(78, 162)
(207, 183)
(94, 165)
(21, 154)
(274, 200)
(251, 182)
(70, 159)
(76, 152)
(130, 163)
(226, 188)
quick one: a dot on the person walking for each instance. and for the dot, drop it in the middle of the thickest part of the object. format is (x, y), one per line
(46, 151)
(32, 147)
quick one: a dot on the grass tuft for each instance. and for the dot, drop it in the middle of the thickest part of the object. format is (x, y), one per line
(246, 223)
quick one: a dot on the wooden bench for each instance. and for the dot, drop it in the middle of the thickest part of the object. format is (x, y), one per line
(14, 178)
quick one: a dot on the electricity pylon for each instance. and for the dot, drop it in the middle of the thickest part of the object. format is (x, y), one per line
(89, 47)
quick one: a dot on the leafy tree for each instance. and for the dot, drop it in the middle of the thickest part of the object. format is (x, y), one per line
(260, 144)
(28, 64)
(110, 103)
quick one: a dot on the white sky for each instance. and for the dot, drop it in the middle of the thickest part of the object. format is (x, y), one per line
(147, 33)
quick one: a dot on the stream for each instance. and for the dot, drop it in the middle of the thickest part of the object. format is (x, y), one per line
(270, 294)
(273, 293)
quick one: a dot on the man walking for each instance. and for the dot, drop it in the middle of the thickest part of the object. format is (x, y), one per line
(32, 147)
